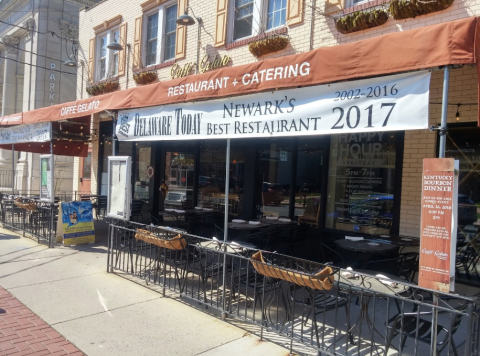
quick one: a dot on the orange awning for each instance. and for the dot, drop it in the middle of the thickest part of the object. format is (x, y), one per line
(432, 46)
(13, 119)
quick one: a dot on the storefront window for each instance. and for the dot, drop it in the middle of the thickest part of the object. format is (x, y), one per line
(179, 177)
(106, 143)
(211, 180)
(142, 182)
(275, 177)
(308, 179)
(361, 182)
(463, 144)
(87, 166)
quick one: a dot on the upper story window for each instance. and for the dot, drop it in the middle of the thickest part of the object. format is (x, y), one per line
(161, 30)
(276, 13)
(107, 60)
(252, 17)
(350, 3)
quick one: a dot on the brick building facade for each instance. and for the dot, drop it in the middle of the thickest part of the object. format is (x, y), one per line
(143, 29)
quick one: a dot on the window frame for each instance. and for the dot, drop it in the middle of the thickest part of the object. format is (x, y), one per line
(350, 3)
(266, 16)
(260, 19)
(109, 57)
(161, 33)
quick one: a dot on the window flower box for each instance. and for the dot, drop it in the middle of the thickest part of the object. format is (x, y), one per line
(175, 243)
(404, 9)
(103, 87)
(361, 20)
(268, 45)
(315, 276)
(146, 77)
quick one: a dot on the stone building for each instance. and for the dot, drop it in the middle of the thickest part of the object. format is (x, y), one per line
(36, 38)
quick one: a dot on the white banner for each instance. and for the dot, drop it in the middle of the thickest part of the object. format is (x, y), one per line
(398, 102)
(41, 132)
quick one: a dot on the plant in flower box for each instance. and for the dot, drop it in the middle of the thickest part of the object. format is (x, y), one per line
(361, 20)
(145, 77)
(404, 9)
(103, 87)
(268, 44)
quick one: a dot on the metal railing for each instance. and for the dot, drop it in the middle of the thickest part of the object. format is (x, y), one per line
(33, 218)
(329, 309)
(60, 195)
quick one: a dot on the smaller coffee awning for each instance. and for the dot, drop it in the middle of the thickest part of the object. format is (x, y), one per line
(449, 43)
(69, 138)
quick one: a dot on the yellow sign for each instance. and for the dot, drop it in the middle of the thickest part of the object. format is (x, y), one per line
(76, 225)
(204, 65)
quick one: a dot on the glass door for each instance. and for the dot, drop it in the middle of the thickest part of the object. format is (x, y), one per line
(179, 178)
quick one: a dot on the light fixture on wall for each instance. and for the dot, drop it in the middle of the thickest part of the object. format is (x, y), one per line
(70, 63)
(187, 20)
(115, 46)
(457, 114)
(72, 58)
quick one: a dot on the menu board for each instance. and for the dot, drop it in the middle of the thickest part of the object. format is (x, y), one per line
(119, 187)
(438, 227)
(361, 181)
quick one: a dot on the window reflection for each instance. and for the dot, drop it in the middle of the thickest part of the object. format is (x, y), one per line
(179, 177)
(463, 144)
(308, 181)
(211, 180)
(275, 177)
(361, 183)
(142, 182)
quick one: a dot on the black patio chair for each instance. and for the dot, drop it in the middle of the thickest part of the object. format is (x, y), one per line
(219, 232)
(259, 239)
(99, 205)
(405, 265)
(409, 324)
(136, 209)
(331, 257)
(316, 302)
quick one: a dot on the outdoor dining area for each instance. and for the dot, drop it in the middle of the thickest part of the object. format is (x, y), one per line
(370, 305)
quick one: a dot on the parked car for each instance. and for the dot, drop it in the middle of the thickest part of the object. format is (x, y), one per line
(204, 181)
(467, 210)
(175, 198)
(272, 187)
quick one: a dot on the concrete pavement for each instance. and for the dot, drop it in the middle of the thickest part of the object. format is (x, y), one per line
(104, 314)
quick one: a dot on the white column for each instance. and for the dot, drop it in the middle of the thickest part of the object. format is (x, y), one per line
(9, 90)
(10, 75)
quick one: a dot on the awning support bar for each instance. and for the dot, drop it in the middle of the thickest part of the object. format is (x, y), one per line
(225, 225)
(443, 126)
(13, 168)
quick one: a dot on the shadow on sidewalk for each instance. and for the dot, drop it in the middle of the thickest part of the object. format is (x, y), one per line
(9, 237)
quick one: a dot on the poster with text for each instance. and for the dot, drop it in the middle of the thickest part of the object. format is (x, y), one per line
(77, 222)
(439, 225)
(46, 178)
(390, 103)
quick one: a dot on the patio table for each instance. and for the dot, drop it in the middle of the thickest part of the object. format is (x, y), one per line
(367, 248)
(278, 222)
(246, 226)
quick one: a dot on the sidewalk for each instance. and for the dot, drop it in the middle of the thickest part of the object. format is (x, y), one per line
(24, 333)
(104, 314)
